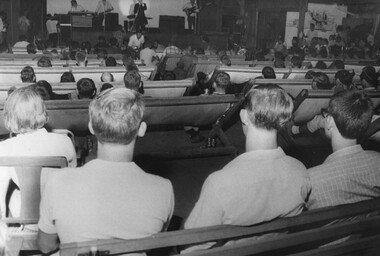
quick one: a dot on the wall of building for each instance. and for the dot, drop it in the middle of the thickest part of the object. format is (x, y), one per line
(124, 8)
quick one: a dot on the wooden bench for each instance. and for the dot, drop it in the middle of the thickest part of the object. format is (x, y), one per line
(310, 102)
(293, 86)
(176, 88)
(11, 75)
(339, 230)
(160, 113)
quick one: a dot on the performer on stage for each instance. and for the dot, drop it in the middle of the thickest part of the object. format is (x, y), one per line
(140, 19)
(191, 9)
(75, 7)
(102, 8)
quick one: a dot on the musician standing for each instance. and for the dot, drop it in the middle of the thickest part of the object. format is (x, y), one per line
(191, 9)
(75, 7)
(102, 8)
(139, 12)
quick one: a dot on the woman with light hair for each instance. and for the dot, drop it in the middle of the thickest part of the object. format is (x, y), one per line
(25, 117)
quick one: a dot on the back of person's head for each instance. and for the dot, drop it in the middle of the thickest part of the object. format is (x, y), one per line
(278, 63)
(269, 107)
(268, 73)
(24, 111)
(111, 62)
(310, 74)
(81, 58)
(106, 86)
(323, 52)
(116, 115)
(345, 77)
(352, 113)
(321, 65)
(28, 75)
(107, 77)
(279, 56)
(369, 77)
(226, 61)
(44, 89)
(86, 88)
(132, 80)
(336, 64)
(321, 81)
(296, 62)
(222, 80)
(148, 44)
(44, 62)
(67, 77)
(102, 54)
(31, 49)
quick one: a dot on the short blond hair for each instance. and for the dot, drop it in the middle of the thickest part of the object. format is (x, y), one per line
(116, 115)
(269, 107)
(24, 111)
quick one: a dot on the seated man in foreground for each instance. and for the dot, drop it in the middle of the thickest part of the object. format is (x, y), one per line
(109, 197)
(349, 174)
(263, 183)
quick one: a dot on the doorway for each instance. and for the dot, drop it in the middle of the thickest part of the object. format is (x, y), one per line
(270, 25)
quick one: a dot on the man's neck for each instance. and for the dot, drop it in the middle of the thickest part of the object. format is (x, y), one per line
(260, 139)
(338, 142)
(116, 152)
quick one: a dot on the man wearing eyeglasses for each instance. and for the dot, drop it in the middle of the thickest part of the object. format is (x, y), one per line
(350, 174)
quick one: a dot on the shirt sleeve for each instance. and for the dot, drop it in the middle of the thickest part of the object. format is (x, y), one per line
(208, 210)
(98, 7)
(46, 221)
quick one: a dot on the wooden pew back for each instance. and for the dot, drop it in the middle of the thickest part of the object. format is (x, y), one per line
(11, 75)
(176, 88)
(293, 86)
(315, 100)
(299, 234)
(194, 111)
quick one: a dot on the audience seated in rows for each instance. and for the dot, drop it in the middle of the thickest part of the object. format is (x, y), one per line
(25, 116)
(109, 197)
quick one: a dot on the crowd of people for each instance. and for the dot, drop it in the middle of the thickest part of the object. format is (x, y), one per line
(118, 199)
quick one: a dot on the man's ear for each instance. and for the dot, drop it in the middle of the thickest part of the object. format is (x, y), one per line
(330, 123)
(91, 128)
(142, 129)
(244, 116)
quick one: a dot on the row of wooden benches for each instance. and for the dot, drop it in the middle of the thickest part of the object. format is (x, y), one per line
(352, 229)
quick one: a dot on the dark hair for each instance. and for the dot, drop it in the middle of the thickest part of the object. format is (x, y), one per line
(44, 62)
(111, 62)
(352, 113)
(132, 80)
(27, 75)
(86, 88)
(222, 80)
(67, 77)
(225, 60)
(322, 81)
(323, 52)
(320, 65)
(345, 77)
(279, 63)
(44, 89)
(31, 49)
(106, 86)
(268, 73)
(369, 74)
(336, 64)
(296, 61)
